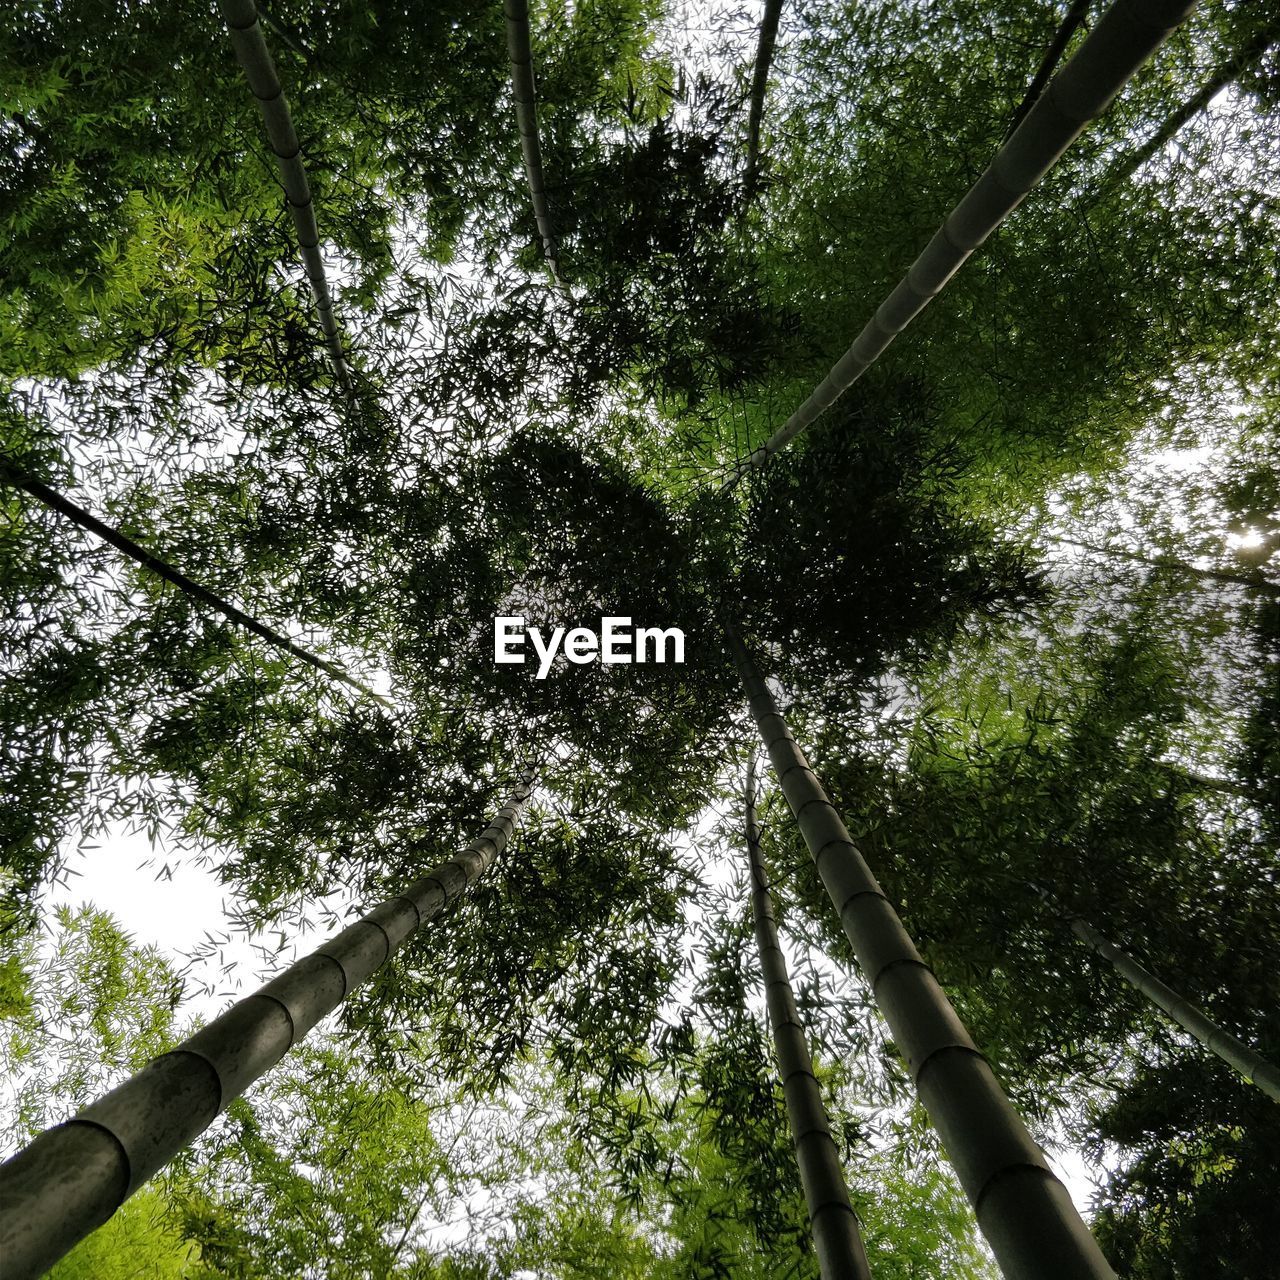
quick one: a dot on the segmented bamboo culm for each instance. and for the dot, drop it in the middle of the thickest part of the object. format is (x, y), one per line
(73, 1177)
(1023, 1210)
(241, 17)
(520, 52)
(836, 1238)
(1127, 34)
(55, 501)
(1247, 1061)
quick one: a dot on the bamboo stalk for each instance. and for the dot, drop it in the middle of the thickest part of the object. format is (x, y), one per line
(1022, 1208)
(759, 83)
(73, 1177)
(836, 1238)
(524, 94)
(1246, 1060)
(1224, 74)
(1127, 34)
(56, 501)
(1256, 581)
(1053, 54)
(241, 17)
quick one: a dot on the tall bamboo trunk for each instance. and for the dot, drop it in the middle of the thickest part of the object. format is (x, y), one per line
(520, 52)
(836, 1237)
(1126, 35)
(55, 501)
(759, 83)
(1246, 1060)
(73, 1177)
(241, 17)
(1023, 1210)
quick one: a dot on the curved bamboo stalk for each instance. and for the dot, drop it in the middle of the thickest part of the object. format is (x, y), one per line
(520, 52)
(73, 1177)
(759, 82)
(1256, 581)
(1246, 1060)
(836, 1238)
(1223, 75)
(56, 501)
(1232, 787)
(1023, 1210)
(1129, 32)
(241, 17)
(1052, 55)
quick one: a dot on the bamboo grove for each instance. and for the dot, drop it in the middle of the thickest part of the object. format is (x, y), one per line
(396, 323)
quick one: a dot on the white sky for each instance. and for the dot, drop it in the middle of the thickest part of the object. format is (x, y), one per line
(173, 911)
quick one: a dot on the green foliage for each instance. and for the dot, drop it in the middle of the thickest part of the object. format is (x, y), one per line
(93, 1008)
(1013, 737)
(138, 1241)
(1190, 1203)
(862, 525)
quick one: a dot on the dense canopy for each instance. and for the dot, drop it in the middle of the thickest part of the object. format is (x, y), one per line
(1017, 592)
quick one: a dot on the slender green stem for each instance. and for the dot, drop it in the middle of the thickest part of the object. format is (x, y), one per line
(836, 1238)
(759, 83)
(241, 17)
(1224, 74)
(519, 50)
(1256, 581)
(55, 501)
(1246, 1060)
(1125, 37)
(1053, 55)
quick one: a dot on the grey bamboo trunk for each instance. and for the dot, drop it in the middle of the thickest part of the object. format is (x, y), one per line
(1127, 34)
(520, 52)
(1247, 1061)
(241, 17)
(55, 501)
(73, 1177)
(836, 1238)
(759, 84)
(1023, 1210)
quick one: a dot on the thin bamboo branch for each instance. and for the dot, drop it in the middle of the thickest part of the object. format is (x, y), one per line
(73, 1177)
(241, 17)
(1221, 786)
(1246, 1060)
(1023, 1210)
(1052, 56)
(524, 94)
(1257, 582)
(836, 1238)
(282, 33)
(1128, 33)
(55, 501)
(759, 83)
(1224, 74)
